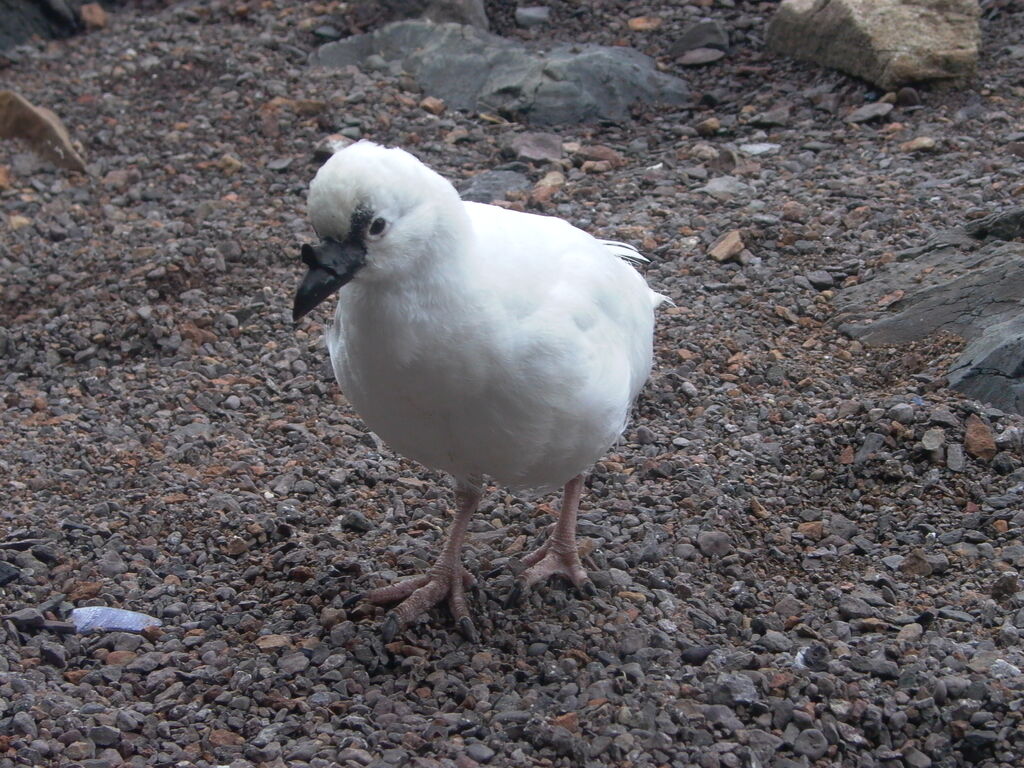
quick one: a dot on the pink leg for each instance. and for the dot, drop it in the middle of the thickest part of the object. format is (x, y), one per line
(558, 555)
(446, 579)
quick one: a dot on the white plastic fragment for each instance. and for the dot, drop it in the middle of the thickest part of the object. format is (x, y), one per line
(99, 618)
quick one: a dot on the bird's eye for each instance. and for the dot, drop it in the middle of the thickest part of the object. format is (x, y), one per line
(377, 227)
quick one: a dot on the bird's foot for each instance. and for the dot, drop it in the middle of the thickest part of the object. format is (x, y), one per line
(418, 595)
(553, 558)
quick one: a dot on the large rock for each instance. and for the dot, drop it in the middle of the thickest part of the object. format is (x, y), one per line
(887, 42)
(473, 70)
(968, 282)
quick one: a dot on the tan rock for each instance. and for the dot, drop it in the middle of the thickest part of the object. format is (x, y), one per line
(120, 658)
(919, 144)
(433, 105)
(727, 247)
(93, 16)
(644, 23)
(41, 128)
(709, 127)
(272, 642)
(979, 441)
(887, 42)
(222, 738)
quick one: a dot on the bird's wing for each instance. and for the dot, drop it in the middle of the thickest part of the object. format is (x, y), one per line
(566, 288)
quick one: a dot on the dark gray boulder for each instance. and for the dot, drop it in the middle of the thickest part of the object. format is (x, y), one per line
(968, 281)
(474, 70)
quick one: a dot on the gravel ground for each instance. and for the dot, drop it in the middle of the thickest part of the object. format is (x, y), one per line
(805, 550)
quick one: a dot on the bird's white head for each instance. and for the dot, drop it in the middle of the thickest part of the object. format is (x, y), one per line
(380, 215)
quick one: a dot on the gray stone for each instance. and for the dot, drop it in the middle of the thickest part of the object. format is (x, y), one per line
(868, 112)
(820, 279)
(536, 147)
(776, 641)
(533, 15)
(811, 743)
(104, 735)
(714, 543)
(493, 185)
(473, 70)
(732, 689)
(726, 187)
(480, 752)
(707, 33)
(886, 42)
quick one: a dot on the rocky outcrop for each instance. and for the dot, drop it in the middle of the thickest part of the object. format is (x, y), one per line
(40, 128)
(968, 282)
(474, 70)
(887, 42)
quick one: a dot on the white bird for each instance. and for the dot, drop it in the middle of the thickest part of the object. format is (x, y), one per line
(475, 340)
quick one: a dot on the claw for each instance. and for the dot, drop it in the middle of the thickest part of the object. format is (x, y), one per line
(390, 627)
(515, 595)
(588, 589)
(353, 600)
(467, 629)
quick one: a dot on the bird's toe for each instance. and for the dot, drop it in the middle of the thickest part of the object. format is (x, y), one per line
(515, 595)
(466, 628)
(354, 600)
(390, 627)
(587, 588)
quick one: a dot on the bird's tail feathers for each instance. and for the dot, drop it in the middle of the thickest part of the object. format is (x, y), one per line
(626, 252)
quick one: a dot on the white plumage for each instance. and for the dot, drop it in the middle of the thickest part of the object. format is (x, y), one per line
(473, 339)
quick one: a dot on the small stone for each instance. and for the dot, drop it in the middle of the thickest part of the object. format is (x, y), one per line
(933, 439)
(53, 654)
(916, 564)
(851, 607)
(955, 461)
(222, 738)
(644, 23)
(480, 752)
(537, 147)
(354, 520)
(533, 16)
(910, 632)
(120, 658)
(230, 165)
(93, 16)
(820, 279)
(8, 573)
(16, 221)
(776, 641)
(272, 642)
(732, 688)
(811, 743)
(104, 735)
(915, 758)
(293, 663)
(236, 546)
(433, 105)
(714, 543)
(727, 247)
(709, 126)
(1006, 585)
(979, 441)
(919, 144)
(795, 211)
(26, 618)
(868, 112)
(700, 56)
(908, 97)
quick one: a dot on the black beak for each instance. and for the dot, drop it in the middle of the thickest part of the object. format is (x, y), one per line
(331, 265)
